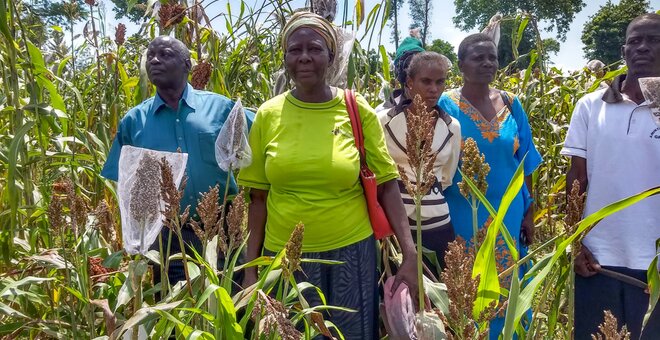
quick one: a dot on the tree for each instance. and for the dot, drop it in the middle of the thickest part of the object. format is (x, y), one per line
(393, 17)
(605, 32)
(559, 14)
(445, 48)
(136, 12)
(420, 13)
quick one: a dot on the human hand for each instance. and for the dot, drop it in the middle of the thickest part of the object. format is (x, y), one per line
(527, 228)
(407, 273)
(585, 263)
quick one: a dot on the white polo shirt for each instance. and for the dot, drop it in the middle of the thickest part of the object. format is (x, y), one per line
(621, 143)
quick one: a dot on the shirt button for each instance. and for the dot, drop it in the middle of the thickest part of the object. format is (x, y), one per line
(190, 197)
(180, 138)
(177, 120)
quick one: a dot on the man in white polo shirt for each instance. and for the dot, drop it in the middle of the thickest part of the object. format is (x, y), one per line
(614, 145)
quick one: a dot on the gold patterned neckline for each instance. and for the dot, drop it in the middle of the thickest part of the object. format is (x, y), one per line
(474, 108)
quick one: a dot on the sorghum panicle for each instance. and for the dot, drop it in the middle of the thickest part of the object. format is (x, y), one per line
(473, 166)
(293, 251)
(169, 193)
(201, 74)
(171, 13)
(237, 220)
(120, 34)
(419, 138)
(609, 329)
(144, 203)
(462, 291)
(275, 317)
(574, 206)
(208, 209)
(105, 223)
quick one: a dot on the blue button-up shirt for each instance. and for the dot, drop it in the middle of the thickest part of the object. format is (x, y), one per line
(193, 128)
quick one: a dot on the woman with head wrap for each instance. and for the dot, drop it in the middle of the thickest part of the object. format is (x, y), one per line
(305, 169)
(424, 76)
(498, 124)
(408, 48)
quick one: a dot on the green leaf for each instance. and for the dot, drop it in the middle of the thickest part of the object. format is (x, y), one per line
(653, 279)
(7, 235)
(386, 63)
(514, 291)
(24, 281)
(527, 294)
(505, 232)
(484, 263)
(359, 12)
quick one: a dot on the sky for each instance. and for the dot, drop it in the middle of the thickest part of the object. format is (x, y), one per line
(569, 57)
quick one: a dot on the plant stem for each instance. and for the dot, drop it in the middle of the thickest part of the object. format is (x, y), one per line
(137, 299)
(420, 270)
(184, 259)
(571, 298)
(475, 221)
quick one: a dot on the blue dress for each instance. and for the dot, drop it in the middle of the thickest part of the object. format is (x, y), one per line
(504, 141)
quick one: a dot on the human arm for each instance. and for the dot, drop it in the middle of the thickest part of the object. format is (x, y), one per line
(257, 228)
(527, 227)
(390, 199)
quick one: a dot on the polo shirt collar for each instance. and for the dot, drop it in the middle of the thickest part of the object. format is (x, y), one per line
(613, 93)
(188, 98)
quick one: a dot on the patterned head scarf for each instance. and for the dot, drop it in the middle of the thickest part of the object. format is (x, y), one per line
(314, 22)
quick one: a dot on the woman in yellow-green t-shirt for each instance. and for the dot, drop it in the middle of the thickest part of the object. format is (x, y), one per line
(305, 169)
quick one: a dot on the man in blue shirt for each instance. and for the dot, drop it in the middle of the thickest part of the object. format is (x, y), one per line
(178, 117)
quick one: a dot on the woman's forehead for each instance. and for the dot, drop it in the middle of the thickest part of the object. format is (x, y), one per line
(481, 47)
(305, 34)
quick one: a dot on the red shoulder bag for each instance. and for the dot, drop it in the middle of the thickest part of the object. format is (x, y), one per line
(379, 222)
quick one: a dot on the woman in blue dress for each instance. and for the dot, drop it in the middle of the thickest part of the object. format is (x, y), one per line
(497, 122)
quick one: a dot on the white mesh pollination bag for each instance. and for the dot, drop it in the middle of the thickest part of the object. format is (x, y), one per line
(232, 150)
(138, 189)
(650, 87)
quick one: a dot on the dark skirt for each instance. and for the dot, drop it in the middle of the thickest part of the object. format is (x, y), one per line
(353, 284)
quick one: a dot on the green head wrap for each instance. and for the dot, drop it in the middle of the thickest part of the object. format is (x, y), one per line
(314, 22)
(409, 44)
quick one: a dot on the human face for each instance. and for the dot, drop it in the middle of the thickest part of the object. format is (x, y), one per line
(428, 83)
(480, 64)
(166, 65)
(307, 58)
(642, 48)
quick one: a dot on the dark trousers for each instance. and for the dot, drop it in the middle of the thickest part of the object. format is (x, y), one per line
(175, 272)
(436, 240)
(352, 284)
(628, 303)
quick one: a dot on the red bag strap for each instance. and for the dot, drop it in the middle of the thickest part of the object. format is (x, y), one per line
(356, 124)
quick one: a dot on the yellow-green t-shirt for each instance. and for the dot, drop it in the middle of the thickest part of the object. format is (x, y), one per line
(304, 154)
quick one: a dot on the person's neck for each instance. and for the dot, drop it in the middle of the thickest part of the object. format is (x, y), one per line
(476, 92)
(630, 87)
(318, 94)
(171, 95)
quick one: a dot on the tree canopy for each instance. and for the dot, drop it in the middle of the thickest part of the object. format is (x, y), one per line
(605, 32)
(445, 48)
(559, 14)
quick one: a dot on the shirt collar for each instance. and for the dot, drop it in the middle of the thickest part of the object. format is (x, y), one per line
(613, 93)
(187, 97)
(404, 102)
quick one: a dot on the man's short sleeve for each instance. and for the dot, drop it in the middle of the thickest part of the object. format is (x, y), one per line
(111, 166)
(378, 157)
(576, 138)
